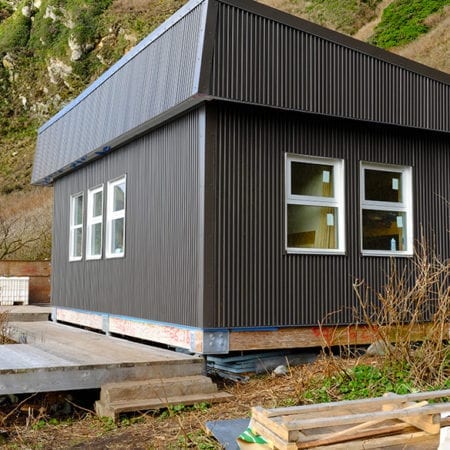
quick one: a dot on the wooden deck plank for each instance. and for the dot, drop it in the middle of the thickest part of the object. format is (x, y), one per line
(60, 357)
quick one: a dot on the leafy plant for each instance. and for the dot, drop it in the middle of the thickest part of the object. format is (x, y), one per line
(403, 21)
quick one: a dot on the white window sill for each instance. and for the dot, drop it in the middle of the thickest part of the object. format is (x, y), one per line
(115, 255)
(93, 257)
(75, 259)
(313, 251)
(387, 253)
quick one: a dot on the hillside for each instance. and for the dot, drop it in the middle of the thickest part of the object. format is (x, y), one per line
(52, 49)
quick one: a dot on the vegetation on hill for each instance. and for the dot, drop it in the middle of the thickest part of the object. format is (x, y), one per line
(404, 20)
(50, 50)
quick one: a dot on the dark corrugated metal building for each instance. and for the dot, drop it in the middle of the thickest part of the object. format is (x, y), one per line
(235, 173)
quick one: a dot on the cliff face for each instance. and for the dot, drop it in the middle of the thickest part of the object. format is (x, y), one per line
(50, 50)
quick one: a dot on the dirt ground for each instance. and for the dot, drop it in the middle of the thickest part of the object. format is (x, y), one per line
(67, 420)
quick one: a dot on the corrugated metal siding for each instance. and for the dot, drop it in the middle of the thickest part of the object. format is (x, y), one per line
(262, 61)
(159, 277)
(159, 77)
(258, 283)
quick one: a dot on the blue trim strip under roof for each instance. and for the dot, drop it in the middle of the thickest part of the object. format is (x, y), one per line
(170, 22)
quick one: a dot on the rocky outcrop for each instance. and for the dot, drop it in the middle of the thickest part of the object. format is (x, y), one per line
(58, 71)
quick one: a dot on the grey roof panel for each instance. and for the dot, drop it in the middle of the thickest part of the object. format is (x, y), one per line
(154, 77)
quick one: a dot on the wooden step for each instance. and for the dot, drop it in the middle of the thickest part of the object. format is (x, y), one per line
(157, 388)
(115, 408)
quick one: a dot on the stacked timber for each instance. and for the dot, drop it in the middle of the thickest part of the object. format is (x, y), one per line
(128, 396)
(408, 421)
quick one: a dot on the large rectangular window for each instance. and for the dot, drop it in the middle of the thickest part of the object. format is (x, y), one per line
(386, 209)
(94, 229)
(115, 218)
(76, 227)
(314, 205)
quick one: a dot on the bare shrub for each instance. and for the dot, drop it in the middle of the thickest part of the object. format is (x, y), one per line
(3, 327)
(410, 316)
(25, 225)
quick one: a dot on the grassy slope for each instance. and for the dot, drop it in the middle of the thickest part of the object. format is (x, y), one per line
(109, 28)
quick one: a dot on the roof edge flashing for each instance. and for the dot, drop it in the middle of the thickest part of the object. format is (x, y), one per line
(142, 45)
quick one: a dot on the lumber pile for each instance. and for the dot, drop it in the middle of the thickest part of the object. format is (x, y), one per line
(408, 421)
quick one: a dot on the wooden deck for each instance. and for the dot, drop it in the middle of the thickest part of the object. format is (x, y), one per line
(26, 313)
(54, 357)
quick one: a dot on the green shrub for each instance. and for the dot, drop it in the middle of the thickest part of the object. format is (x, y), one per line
(14, 32)
(403, 21)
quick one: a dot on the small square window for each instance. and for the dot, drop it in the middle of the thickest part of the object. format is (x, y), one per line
(315, 205)
(386, 210)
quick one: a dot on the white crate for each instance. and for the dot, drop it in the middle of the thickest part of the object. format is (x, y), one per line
(14, 290)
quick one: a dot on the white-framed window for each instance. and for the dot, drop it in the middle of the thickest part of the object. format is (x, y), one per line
(386, 210)
(115, 218)
(76, 227)
(315, 217)
(94, 225)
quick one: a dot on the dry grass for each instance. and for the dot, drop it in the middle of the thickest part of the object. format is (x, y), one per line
(413, 306)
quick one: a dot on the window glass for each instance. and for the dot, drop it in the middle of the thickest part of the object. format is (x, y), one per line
(117, 235)
(384, 230)
(97, 204)
(312, 227)
(383, 186)
(386, 209)
(78, 242)
(78, 210)
(119, 197)
(312, 179)
(96, 239)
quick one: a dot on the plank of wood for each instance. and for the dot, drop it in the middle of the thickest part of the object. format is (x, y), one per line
(365, 429)
(337, 438)
(292, 423)
(405, 441)
(272, 425)
(398, 399)
(428, 422)
(269, 435)
(307, 337)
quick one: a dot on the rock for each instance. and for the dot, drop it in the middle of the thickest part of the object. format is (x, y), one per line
(75, 48)
(58, 71)
(280, 371)
(26, 11)
(9, 64)
(378, 348)
(51, 13)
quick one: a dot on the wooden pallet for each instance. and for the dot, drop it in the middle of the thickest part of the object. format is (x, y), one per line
(382, 422)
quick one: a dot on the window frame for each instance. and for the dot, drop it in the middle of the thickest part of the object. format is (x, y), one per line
(405, 206)
(73, 227)
(337, 201)
(91, 221)
(114, 215)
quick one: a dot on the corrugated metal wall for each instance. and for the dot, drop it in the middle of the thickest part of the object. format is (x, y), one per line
(259, 60)
(159, 277)
(159, 77)
(257, 282)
